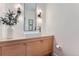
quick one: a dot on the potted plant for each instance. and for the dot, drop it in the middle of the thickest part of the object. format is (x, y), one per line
(10, 19)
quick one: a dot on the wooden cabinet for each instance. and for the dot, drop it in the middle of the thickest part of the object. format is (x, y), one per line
(13, 50)
(28, 47)
(33, 48)
(40, 47)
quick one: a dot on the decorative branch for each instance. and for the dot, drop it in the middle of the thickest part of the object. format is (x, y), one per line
(10, 18)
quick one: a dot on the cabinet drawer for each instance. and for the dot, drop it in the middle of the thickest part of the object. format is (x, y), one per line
(13, 50)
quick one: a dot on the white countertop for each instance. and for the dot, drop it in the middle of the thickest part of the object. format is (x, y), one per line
(23, 37)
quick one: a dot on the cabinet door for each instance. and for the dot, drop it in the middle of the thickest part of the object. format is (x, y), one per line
(33, 48)
(0, 51)
(47, 46)
(50, 44)
(13, 50)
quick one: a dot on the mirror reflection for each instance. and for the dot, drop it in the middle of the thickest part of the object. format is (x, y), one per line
(30, 17)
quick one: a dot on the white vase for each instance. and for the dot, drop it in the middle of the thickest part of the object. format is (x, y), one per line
(10, 32)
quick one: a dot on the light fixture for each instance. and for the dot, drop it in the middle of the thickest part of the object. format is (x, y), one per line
(18, 8)
(18, 11)
(39, 19)
(39, 12)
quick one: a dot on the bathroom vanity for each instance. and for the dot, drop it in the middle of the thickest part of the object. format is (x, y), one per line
(37, 46)
(31, 22)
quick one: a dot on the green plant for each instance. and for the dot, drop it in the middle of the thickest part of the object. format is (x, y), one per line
(10, 18)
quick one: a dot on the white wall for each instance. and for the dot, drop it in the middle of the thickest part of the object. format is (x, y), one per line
(1, 9)
(63, 22)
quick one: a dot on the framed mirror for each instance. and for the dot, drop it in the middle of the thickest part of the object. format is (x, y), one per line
(30, 18)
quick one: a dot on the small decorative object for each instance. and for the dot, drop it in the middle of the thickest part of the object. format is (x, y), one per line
(10, 19)
(30, 23)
